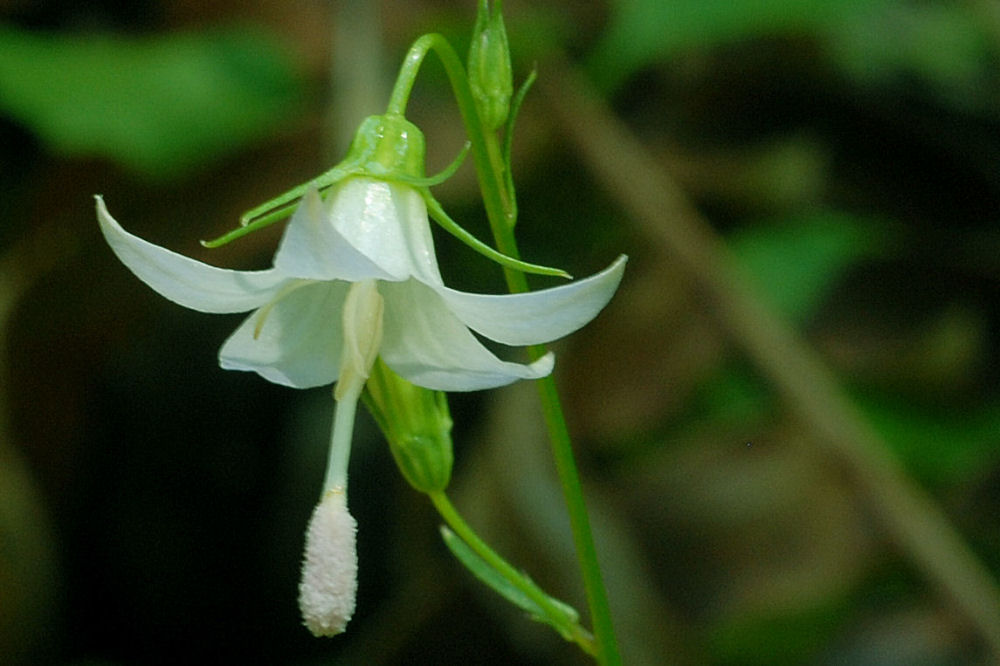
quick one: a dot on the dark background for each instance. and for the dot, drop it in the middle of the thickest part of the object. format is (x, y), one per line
(846, 153)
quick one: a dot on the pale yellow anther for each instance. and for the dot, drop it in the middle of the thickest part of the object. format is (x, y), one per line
(362, 325)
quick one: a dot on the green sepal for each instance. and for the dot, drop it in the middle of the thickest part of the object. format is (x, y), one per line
(563, 621)
(508, 140)
(449, 225)
(280, 207)
(239, 232)
(439, 177)
(388, 147)
(291, 197)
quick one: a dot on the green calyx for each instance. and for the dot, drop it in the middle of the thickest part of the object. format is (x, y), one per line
(417, 424)
(390, 148)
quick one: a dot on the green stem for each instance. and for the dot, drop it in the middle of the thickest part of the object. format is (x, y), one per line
(586, 552)
(500, 210)
(486, 153)
(408, 73)
(579, 635)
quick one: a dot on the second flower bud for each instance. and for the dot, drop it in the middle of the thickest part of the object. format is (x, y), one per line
(417, 424)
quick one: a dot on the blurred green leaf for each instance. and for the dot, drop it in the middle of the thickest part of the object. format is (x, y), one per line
(733, 395)
(792, 637)
(940, 446)
(795, 263)
(641, 31)
(159, 105)
(947, 47)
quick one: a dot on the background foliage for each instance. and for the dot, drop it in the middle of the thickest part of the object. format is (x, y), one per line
(152, 506)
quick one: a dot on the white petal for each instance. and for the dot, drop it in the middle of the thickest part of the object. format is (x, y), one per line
(185, 281)
(299, 342)
(311, 248)
(426, 344)
(538, 316)
(387, 222)
(329, 582)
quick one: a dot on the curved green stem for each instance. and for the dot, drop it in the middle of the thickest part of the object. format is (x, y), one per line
(487, 155)
(408, 72)
(498, 201)
(572, 630)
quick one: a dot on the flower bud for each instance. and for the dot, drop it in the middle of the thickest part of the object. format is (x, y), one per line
(416, 422)
(489, 66)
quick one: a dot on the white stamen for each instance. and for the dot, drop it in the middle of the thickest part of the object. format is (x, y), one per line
(362, 321)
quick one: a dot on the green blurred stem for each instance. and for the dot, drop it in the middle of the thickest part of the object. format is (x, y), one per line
(501, 211)
(580, 636)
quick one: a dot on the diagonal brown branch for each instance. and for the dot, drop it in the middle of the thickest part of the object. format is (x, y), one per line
(666, 218)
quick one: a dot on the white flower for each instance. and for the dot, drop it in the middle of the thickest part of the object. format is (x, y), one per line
(355, 278)
(366, 230)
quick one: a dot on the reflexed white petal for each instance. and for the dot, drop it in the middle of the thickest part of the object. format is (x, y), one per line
(311, 248)
(185, 281)
(538, 316)
(388, 223)
(426, 344)
(299, 341)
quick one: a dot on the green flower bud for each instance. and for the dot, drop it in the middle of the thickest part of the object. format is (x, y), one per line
(417, 424)
(489, 65)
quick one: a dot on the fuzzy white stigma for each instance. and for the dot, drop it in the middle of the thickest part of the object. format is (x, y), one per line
(330, 570)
